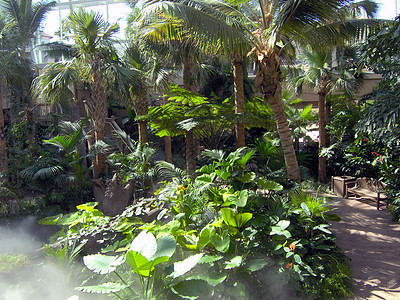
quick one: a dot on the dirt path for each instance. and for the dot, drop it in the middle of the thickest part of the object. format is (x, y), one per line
(372, 242)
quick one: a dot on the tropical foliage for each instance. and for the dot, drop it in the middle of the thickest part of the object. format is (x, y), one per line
(234, 215)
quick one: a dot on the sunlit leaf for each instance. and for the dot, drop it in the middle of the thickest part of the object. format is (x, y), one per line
(102, 264)
(105, 288)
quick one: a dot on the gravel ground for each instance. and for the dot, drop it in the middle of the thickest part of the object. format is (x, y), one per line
(372, 242)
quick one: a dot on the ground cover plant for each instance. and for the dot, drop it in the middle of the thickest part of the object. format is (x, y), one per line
(216, 233)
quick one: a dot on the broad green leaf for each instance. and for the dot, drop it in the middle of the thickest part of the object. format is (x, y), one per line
(90, 206)
(185, 265)
(105, 288)
(297, 259)
(241, 199)
(204, 237)
(192, 289)
(234, 262)
(269, 185)
(248, 177)
(221, 242)
(255, 265)
(213, 278)
(235, 220)
(296, 101)
(210, 259)
(206, 178)
(223, 174)
(135, 259)
(141, 264)
(166, 246)
(145, 244)
(102, 264)
(280, 229)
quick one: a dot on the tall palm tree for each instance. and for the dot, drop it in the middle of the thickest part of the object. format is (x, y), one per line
(331, 67)
(94, 58)
(270, 28)
(181, 45)
(320, 74)
(153, 75)
(23, 19)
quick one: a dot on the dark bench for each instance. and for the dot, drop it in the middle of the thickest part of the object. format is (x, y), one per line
(369, 188)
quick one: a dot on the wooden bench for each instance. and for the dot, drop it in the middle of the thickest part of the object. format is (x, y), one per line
(367, 188)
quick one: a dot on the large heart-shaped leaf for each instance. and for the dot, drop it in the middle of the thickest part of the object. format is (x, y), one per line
(248, 177)
(192, 289)
(221, 242)
(166, 246)
(102, 264)
(185, 266)
(235, 220)
(141, 265)
(145, 244)
(204, 237)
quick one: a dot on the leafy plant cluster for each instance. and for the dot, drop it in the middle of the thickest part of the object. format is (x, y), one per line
(215, 235)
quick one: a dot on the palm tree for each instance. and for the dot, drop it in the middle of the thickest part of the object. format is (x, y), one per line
(23, 18)
(152, 76)
(94, 58)
(270, 28)
(328, 70)
(175, 40)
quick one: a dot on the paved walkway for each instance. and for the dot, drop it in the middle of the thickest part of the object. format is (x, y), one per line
(372, 242)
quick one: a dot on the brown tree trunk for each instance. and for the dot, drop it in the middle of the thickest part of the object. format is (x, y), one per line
(99, 103)
(328, 108)
(189, 83)
(237, 62)
(168, 149)
(142, 126)
(268, 81)
(322, 178)
(3, 145)
(141, 109)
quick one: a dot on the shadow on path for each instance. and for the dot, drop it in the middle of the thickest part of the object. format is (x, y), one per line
(372, 242)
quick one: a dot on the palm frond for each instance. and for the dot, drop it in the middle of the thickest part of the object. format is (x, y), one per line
(169, 171)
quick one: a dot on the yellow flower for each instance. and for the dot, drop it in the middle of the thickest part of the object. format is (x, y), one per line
(182, 188)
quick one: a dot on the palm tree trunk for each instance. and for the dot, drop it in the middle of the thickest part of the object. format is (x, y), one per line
(268, 81)
(237, 63)
(168, 149)
(99, 102)
(322, 178)
(3, 146)
(141, 109)
(328, 108)
(189, 83)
